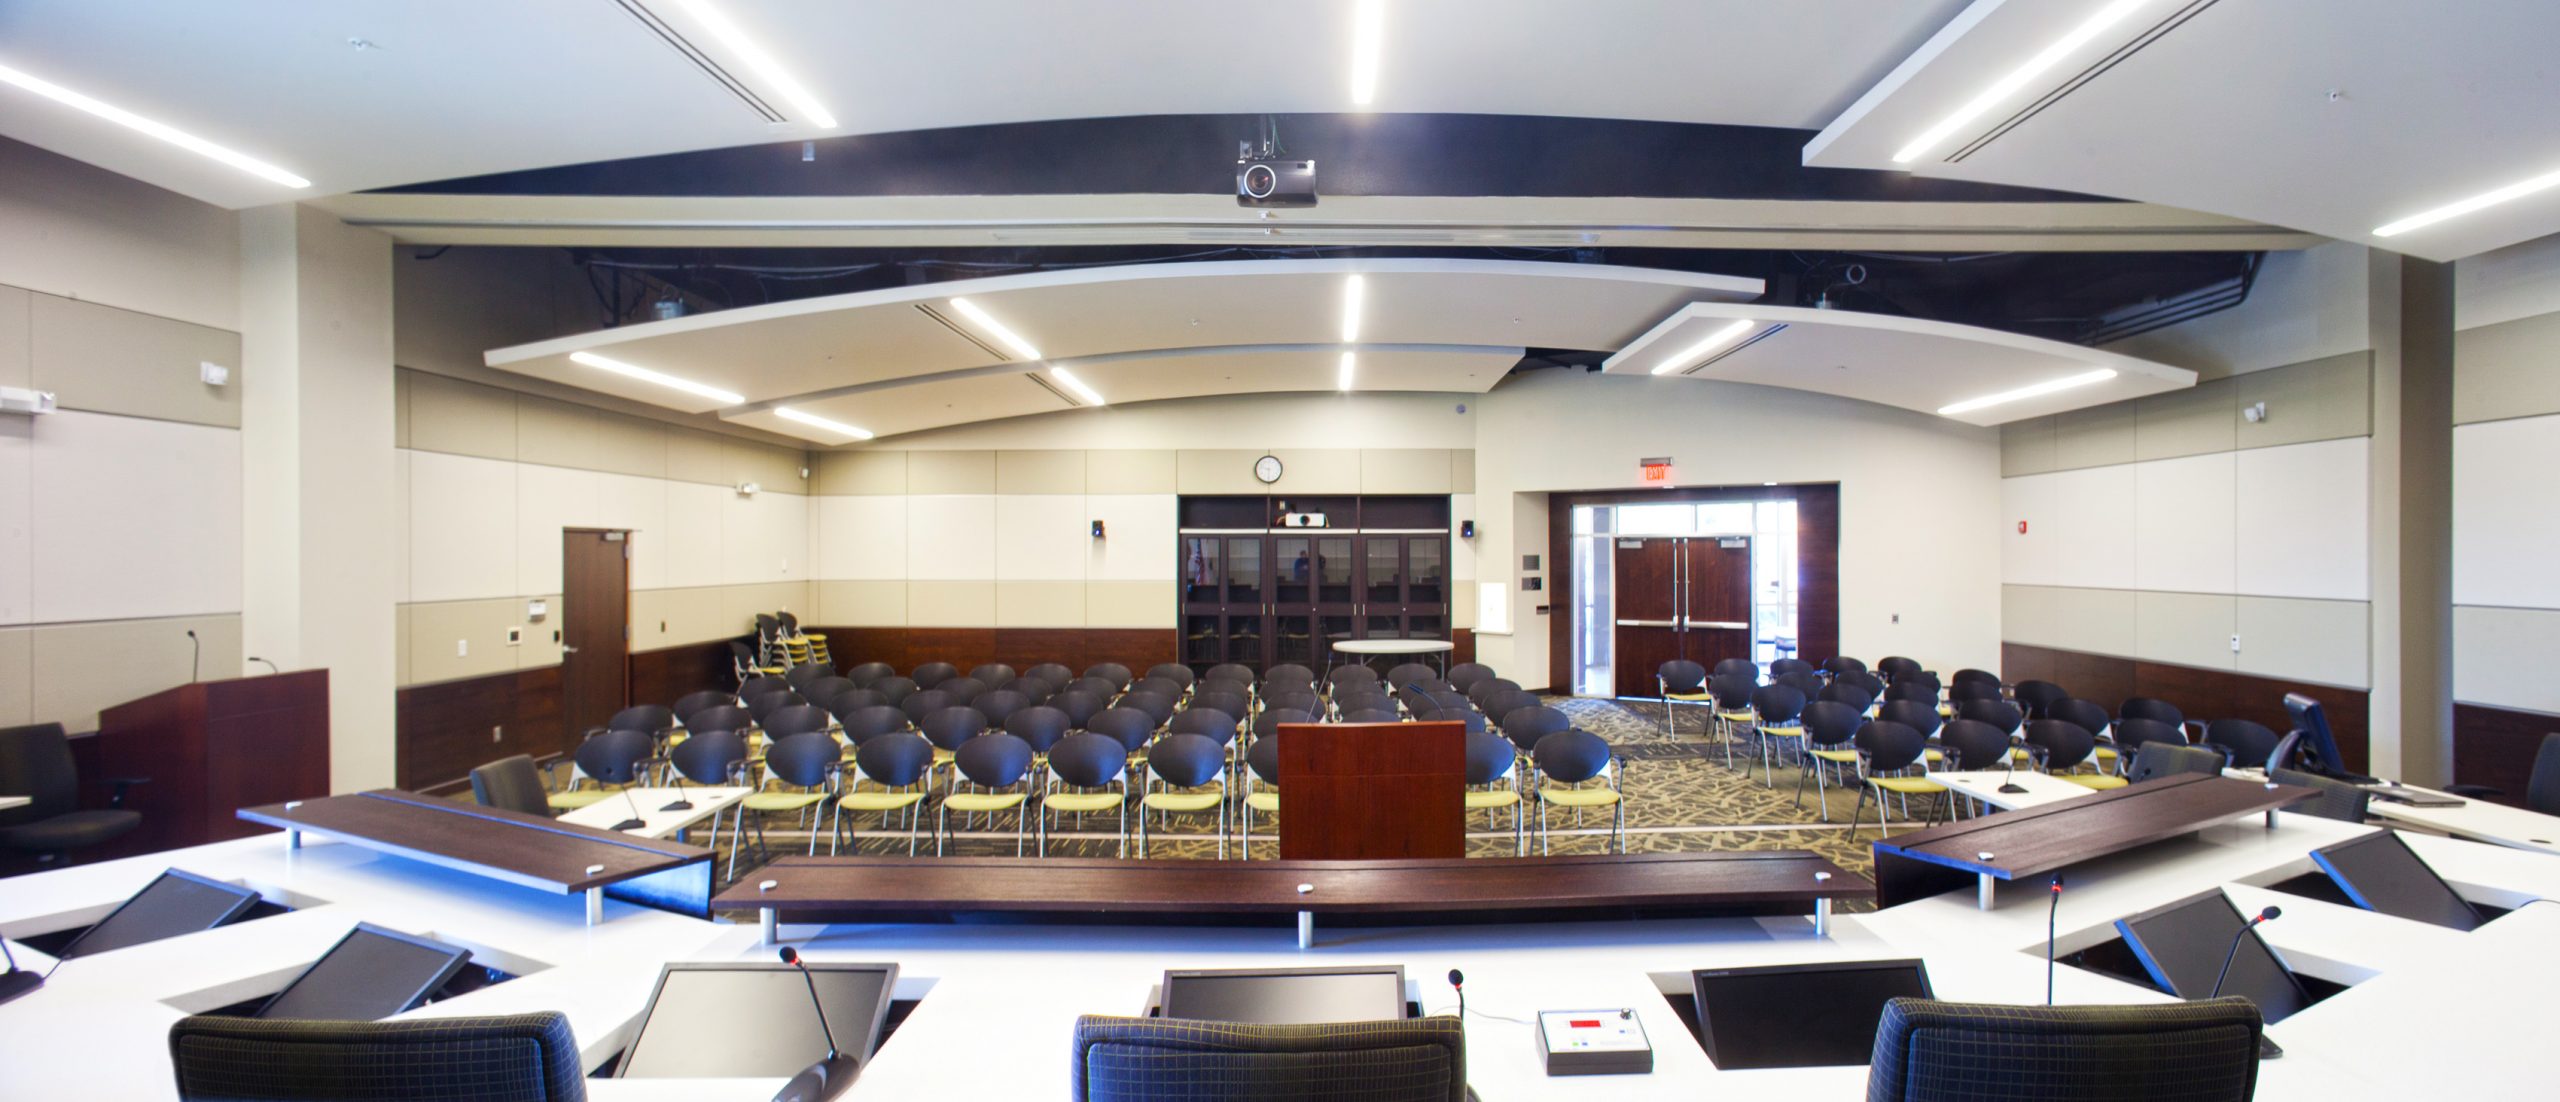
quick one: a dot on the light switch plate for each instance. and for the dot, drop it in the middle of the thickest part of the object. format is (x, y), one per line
(462, 648)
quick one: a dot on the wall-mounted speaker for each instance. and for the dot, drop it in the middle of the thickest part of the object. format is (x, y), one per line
(1466, 529)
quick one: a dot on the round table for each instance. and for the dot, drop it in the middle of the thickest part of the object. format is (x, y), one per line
(1370, 648)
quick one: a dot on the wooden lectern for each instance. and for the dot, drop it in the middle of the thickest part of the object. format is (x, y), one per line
(1366, 791)
(212, 748)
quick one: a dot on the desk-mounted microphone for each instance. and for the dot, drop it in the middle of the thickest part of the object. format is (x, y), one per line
(2267, 1048)
(1458, 983)
(635, 822)
(2008, 783)
(2051, 913)
(195, 658)
(16, 981)
(828, 1077)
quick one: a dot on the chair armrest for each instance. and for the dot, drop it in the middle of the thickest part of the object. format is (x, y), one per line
(2472, 791)
(123, 785)
(2196, 739)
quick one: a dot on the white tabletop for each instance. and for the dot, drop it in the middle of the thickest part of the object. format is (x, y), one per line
(2479, 819)
(657, 822)
(7, 802)
(1984, 785)
(1394, 646)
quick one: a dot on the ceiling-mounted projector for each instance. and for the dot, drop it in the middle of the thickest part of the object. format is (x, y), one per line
(1266, 181)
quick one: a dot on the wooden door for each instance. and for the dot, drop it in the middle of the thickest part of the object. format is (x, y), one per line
(1716, 600)
(595, 639)
(1647, 611)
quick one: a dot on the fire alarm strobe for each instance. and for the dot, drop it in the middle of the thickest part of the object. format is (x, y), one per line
(1594, 1042)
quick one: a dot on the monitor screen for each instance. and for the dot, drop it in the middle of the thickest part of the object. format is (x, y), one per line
(371, 974)
(2379, 873)
(2182, 945)
(1799, 1015)
(1286, 996)
(754, 1021)
(176, 903)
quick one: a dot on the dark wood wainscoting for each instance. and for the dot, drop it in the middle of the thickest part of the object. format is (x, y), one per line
(2200, 693)
(665, 676)
(445, 729)
(1022, 648)
(2495, 747)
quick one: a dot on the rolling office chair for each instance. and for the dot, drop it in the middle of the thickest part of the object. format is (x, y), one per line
(509, 1058)
(2542, 786)
(35, 761)
(511, 784)
(1142, 1059)
(1931, 1051)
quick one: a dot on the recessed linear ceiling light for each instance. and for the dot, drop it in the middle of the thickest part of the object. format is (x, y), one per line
(1350, 364)
(1352, 293)
(1698, 351)
(816, 422)
(766, 68)
(659, 377)
(1091, 396)
(2003, 88)
(2481, 201)
(1021, 348)
(155, 128)
(1368, 43)
(2039, 390)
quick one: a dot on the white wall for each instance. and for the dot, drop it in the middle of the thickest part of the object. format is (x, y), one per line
(75, 230)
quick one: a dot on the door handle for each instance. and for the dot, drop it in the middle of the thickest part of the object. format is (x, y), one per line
(1721, 624)
(568, 648)
(1648, 624)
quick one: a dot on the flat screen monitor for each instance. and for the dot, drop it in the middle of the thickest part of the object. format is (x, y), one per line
(2380, 873)
(1286, 996)
(371, 974)
(175, 903)
(754, 1021)
(1799, 1015)
(2182, 946)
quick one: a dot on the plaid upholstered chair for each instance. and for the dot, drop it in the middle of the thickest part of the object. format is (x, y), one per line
(1137, 1059)
(1931, 1051)
(514, 1058)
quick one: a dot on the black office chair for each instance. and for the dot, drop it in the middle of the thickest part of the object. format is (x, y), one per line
(2169, 758)
(1145, 1059)
(2036, 697)
(692, 704)
(2249, 744)
(1931, 1051)
(511, 784)
(1842, 665)
(35, 761)
(510, 1058)
(2542, 786)
(933, 674)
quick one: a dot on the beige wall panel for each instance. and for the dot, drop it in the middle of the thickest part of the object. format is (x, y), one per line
(17, 677)
(404, 514)
(1404, 471)
(462, 527)
(2026, 447)
(2324, 399)
(675, 617)
(456, 639)
(71, 680)
(639, 506)
(548, 501)
(2189, 629)
(2097, 621)
(1462, 604)
(864, 473)
(863, 603)
(2026, 615)
(541, 638)
(764, 539)
(1462, 471)
(16, 339)
(459, 418)
(1138, 537)
(1316, 471)
(2511, 369)
(1044, 537)
(696, 456)
(17, 512)
(2323, 641)
(965, 472)
(2502, 657)
(629, 445)
(2096, 436)
(70, 228)
(775, 468)
(1222, 471)
(2194, 421)
(692, 536)
(739, 604)
(1040, 472)
(1129, 604)
(951, 604)
(555, 434)
(1038, 604)
(107, 360)
(861, 537)
(400, 645)
(400, 401)
(1130, 472)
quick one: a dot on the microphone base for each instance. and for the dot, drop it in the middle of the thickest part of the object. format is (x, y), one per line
(679, 805)
(18, 981)
(2268, 1049)
(628, 824)
(821, 1081)
(2013, 789)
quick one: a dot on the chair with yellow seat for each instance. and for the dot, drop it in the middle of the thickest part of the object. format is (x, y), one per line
(996, 769)
(1682, 682)
(1886, 752)
(604, 755)
(2065, 746)
(1568, 760)
(1179, 769)
(949, 729)
(1087, 773)
(1261, 787)
(799, 776)
(898, 766)
(747, 665)
(1829, 725)
(1920, 717)
(1774, 710)
(2098, 723)
(709, 757)
(1730, 696)
(1493, 783)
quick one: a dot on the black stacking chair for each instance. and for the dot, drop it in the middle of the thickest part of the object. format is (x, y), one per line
(993, 673)
(1786, 666)
(1898, 668)
(918, 705)
(898, 767)
(1961, 693)
(508, 1058)
(1078, 706)
(1165, 687)
(1774, 709)
(1153, 704)
(1235, 705)
(1887, 749)
(1099, 688)
(1503, 704)
(1524, 726)
(769, 703)
(1371, 715)
(948, 729)
(798, 719)
(1347, 701)
(2200, 1051)
(1829, 727)
(997, 768)
(2095, 720)
(861, 725)
(998, 705)
(802, 675)
(1488, 688)
(2065, 746)
(1998, 713)
(1032, 689)
(691, 703)
(1913, 689)
(1055, 674)
(1873, 685)
(758, 686)
(1738, 667)
(1187, 763)
(1491, 761)
(2036, 698)
(896, 688)
(1113, 672)
(1290, 673)
(1732, 697)
(1466, 674)
(853, 699)
(933, 674)
(869, 673)
(1913, 714)
(1211, 722)
(1566, 760)
(1840, 665)
(1177, 673)
(962, 690)
(807, 762)
(1681, 682)
(1040, 726)
(1842, 692)
(1129, 726)
(1407, 673)
(1089, 766)
(1292, 699)
(1474, 719)
(36, 762)
(1802, 681)
(1268, 722)
(2248, 743)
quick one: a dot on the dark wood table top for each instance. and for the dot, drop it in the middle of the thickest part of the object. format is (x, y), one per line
(853, 885)
(2056, 835)
(505, 845)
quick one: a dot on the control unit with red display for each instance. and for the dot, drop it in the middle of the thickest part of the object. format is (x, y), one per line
(1594, 1042)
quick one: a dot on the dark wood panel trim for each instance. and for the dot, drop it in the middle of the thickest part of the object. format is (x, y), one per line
(2496, 746)
(2200, 693)
(908, 647)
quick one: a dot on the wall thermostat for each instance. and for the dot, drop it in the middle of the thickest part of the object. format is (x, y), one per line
(1594, 1042)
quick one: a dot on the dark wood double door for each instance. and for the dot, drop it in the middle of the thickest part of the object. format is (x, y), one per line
(1267, 598)
(1678, 597)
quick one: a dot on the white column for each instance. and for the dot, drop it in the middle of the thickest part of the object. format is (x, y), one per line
(2411, 532)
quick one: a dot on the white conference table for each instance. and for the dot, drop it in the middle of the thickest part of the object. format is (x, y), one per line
(656, 821)
(2476, 819)
(1983, 786)
(1373, 648)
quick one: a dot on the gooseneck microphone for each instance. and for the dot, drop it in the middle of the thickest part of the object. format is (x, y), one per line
(195, 662)
(635, 822)
(828, 1077)
(272, 670)
(2008, 782)
(2269, 915)
(16, 981)
(1458, 983)
(2052, 911)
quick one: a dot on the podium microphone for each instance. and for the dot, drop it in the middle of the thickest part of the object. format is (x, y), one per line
(2051, 912)
(195, 661)
(16, 981)
(831, 1076)
(635, 822)
(682, 801)
(1458, 983)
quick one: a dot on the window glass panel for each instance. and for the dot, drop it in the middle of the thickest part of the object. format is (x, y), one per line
(1428, 585)
(1582, 520)
(1657, 520)
(1333, 562)
(1244, 570)
(1293, 565)
(1724, 518)
(1386, 571)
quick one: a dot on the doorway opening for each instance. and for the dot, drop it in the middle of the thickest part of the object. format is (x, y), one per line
(1703, 580)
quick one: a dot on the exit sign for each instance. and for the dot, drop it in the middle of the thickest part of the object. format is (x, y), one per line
(1656, 469)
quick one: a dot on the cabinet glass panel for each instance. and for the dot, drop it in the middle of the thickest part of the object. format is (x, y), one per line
(1200, 570)
(1244, 571)
(1201, 641)
(1333, 571)
(1294, 640)
(1386, 571)
(1244, 640)
(1427, 581)
(1335, 629)
(1386, 627)
(1293, 566)
(1430, 626)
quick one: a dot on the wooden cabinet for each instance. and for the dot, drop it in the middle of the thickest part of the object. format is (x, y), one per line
(1268, 596)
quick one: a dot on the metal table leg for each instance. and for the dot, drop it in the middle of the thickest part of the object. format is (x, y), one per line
(595, 906)
(1984, 899)
(1822, 918)
(768, 927)
(1306, 929)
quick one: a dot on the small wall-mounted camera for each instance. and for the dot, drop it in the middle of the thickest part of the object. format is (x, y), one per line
(1097, 529)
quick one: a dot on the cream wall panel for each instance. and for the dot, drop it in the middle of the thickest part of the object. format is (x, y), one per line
(696, 456)
(462, 527)
(71, 681)
(1129, 472)
(1040, 472)
(861, 538)
(555, 433)
(1220, 471)
(16, 306)
(17, 677)
(1044, 537)
(1462, 471)
(105, 360)
(1129, 604)
(1315, 471)
(2193, 421)
(739, 604)
(764, 539)
(459, 418)
(951, 537)
(2027, 447)
(2302, 520)
(2502, 657)
(773, 467)
(70, 228)
(629, 445)
(17, 516)
(962, 472)
(1404, 471)
(861, 603)
(951, 603)
(862, 472)
(675, 617)
(2089, 543)
(1039, 604)
(2506, 513)
(2095, 621)
(2096, 436)
(2181, 525)
(400, 402)
(130, 517)
(2511, 369)
(2323, 641)
(2188, 629)
(400, 645)
(403, 511)
(1462, 552)
(1139, 537)
(2034, 556)
(2324, 399)
(692, 534)
(2026, 615)
(541, 638)
(549, 499)
(639, 505)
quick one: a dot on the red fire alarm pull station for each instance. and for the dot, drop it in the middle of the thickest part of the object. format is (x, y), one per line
(1656, 469)
(2022, 528)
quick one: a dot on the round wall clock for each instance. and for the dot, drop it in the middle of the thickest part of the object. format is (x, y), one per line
(1267, 469)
